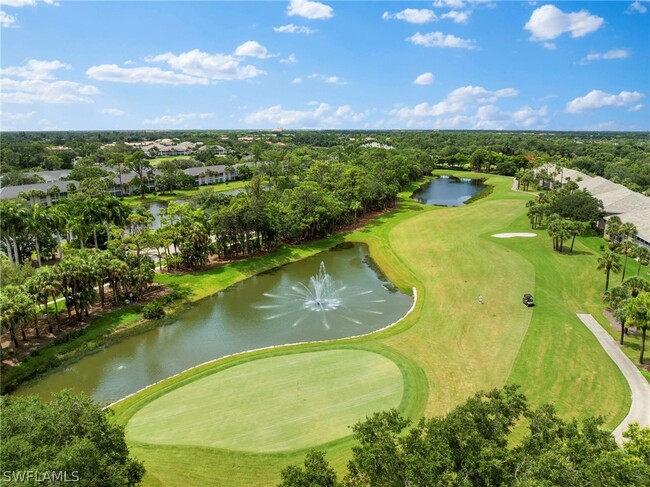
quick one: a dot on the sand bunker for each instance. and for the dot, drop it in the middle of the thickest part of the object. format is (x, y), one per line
(510, 235)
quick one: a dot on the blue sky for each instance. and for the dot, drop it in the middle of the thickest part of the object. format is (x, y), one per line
(446, 64)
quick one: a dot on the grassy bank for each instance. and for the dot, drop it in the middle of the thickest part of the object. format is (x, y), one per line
(451, 344)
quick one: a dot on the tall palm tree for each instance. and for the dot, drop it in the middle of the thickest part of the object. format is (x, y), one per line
(642, 257)
(628, 230)
(8, 313)
(58, 221)
(636, 285)
(628, 249)
(14, 216)
(638, 314)
(41, 286)
(621, 316)
(115, 213)
(613, 229)
(39, 221)
(607, 263)
(616, 299)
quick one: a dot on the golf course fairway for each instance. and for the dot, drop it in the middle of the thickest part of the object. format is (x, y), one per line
(448, 348)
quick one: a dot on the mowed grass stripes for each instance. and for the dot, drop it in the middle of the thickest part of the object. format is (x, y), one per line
(273, 404)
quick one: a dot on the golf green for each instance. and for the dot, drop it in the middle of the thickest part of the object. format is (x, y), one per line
(273, 404)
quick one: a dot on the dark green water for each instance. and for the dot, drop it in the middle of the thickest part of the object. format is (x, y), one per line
(448, 191)
(268, 309)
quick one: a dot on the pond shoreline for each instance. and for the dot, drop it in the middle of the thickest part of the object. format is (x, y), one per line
(271, 347)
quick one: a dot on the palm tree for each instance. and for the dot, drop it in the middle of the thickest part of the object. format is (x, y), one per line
(42, 285)
(607, 263)
(8, 313)
(115, 213)
(574, 229)
(613, 229)
(636, 285)
(58, 221)
(642, 257)
(14, 217)
(638, 314)
(621, 316)
(616, 298)
(39, 221)
(627, 248)
(628, 230)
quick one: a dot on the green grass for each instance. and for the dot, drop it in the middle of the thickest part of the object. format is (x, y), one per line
(451, 345)
(281, 403)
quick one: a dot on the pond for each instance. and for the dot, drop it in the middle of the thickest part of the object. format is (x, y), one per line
(303, 301)
(448, 191)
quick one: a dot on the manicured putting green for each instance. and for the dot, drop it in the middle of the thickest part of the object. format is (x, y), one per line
(279, 403)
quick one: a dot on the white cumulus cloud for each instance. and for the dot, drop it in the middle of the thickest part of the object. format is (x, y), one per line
(309, 9)
(460, 17)
(425, 79)
(18, 3)
(637, 7)
(458, 101)
(412, 16)
(280, 116)
(290, 59)
(252, 49)
(332, 80)
(146, 75)
(549, 22)
(598, 99)
(438, 39)
(294, 29)
(449, 3)
(178, 120)
(296, 81)
(611, 54)
(194, 67)
(6, 20)
(35, 69)
(211, 66)
(35, 82)
(16, 117)
(321, 116)
(115, 112)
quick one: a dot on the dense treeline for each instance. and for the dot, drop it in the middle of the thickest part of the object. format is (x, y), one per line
(68, 440)
(104, 251)
(470, 447)
(620, 157)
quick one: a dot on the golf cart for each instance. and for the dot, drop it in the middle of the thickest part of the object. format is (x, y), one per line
(528, 300)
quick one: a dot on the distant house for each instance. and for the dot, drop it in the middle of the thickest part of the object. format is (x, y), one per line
(166, 147)
(216, 149)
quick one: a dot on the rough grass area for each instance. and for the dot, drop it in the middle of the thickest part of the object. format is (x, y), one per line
(280, 403)
(451, 345)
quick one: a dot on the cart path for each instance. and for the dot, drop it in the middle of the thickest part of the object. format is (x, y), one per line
(640, 408)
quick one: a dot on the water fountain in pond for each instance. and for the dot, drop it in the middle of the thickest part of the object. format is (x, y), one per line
(321, 296)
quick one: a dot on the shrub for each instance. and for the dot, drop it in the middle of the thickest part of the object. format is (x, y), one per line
(153, 311)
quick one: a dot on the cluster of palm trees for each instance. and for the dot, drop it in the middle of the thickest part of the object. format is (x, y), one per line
(78, 281)
(541, 211)
(621, 244)
(31, 230)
